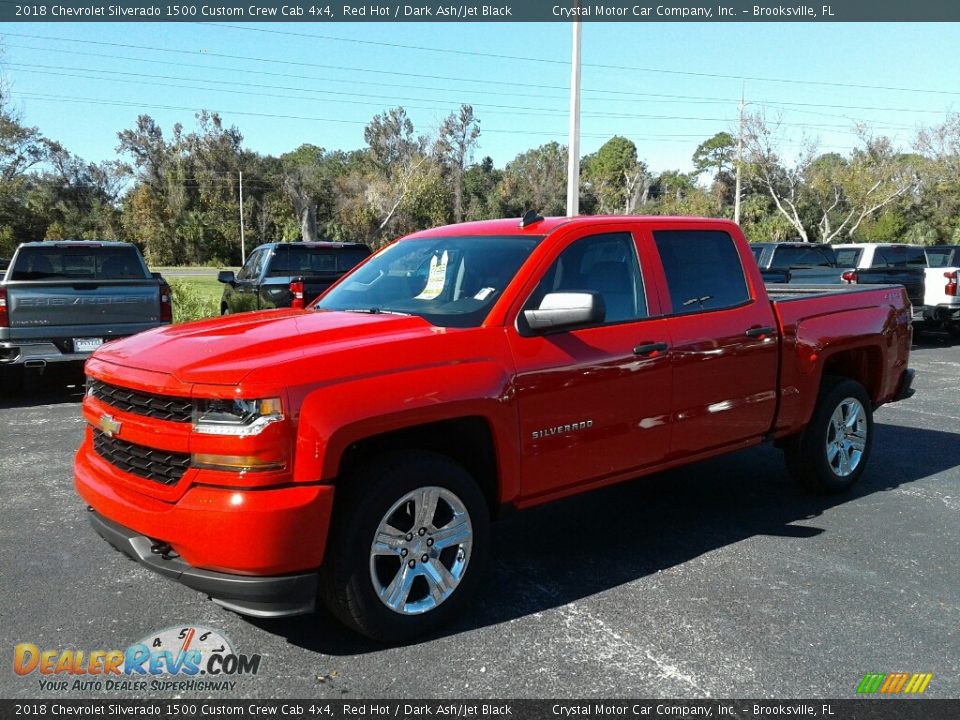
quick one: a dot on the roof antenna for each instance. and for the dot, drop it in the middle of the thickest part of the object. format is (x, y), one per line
(530, 217)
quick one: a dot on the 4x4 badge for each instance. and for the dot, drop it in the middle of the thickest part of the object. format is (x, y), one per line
(108, 426)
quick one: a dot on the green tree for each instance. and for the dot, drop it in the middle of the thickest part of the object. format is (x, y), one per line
(455, 145)
(615, 177)
(535, 180)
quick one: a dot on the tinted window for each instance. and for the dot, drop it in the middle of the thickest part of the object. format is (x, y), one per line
(899, 256)
(251, 268)
(703, 269)
(78, 262)
(848, 257)
(757, 251)
(605, 264)
(307, 261)
(793, 256)
(940, 257)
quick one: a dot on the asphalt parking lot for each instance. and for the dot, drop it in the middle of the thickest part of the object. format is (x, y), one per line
(717, 580)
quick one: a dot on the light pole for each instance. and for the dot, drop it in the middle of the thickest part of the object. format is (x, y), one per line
(573, 161)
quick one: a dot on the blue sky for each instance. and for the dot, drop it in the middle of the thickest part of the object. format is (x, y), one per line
(81, 83)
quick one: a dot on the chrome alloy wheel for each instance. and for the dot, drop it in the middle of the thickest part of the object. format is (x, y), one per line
(846, 437)
(421, 550)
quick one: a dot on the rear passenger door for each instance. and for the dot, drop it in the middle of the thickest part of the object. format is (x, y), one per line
(593, 401)
(724, 352)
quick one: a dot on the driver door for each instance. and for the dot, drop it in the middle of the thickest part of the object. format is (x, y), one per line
(594, 402)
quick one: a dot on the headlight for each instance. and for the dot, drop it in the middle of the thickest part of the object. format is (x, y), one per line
(235, 417)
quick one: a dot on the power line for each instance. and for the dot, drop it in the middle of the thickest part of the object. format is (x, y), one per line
(475, 80)
(547, 133)
(624, 96)
(602, 66)
(513, 110)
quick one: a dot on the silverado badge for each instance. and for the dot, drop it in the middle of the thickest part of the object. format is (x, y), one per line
(108, 426)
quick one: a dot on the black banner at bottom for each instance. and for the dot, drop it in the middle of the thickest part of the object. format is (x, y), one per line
(874, 709)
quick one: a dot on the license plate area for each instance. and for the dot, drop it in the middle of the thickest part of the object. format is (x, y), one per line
(86, 344)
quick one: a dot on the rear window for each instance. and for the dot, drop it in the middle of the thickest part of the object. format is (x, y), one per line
(901, 256)
(848, 257)
(307, 261)
(703, 270)
(795, 257)
(80, 262)
(940, 257)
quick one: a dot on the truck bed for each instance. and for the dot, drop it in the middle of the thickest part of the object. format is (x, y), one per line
(784, 293)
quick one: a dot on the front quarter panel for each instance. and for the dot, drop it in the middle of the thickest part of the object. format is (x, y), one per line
(334, 416)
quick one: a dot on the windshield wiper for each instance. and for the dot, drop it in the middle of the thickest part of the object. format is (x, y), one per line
(375, 311)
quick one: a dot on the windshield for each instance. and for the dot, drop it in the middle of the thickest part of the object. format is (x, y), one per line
(848, 257)
(449, 282)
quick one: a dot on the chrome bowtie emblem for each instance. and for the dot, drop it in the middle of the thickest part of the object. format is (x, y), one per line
(108, 426)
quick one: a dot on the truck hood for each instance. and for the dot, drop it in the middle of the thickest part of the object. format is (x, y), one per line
(223, 351)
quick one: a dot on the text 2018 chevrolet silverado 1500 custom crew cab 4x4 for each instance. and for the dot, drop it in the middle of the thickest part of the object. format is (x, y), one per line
(59, 301)
(360, 447)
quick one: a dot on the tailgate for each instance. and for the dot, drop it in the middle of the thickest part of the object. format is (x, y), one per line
(910, 278)
(55, 303)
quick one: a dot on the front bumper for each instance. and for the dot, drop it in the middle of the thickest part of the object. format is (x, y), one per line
(254, 550)
(259, 596)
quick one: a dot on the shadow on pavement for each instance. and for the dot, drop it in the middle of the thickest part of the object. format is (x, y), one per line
(27, 389)
(933, 339)
(561, 552)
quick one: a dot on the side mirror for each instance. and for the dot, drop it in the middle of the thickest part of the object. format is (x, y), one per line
(227, 276)
(566, 310)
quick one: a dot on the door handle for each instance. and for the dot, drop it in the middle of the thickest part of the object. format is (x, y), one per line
(760, 331)
(649, 348)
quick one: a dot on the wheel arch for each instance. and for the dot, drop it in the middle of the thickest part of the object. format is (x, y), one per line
(467, 440)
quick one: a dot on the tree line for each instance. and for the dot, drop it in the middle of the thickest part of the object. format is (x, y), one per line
(176, 193)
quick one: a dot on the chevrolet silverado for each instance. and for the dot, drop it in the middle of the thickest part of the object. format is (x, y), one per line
(357, 450)
(59, 301)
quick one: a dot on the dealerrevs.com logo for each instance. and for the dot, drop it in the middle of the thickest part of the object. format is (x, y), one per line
(177, 659)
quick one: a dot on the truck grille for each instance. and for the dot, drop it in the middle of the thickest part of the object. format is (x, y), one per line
(161, 466)
(161, 407)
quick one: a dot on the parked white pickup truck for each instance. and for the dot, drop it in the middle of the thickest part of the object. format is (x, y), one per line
(941, 300)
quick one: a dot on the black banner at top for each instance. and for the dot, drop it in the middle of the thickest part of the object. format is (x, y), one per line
(321, 11)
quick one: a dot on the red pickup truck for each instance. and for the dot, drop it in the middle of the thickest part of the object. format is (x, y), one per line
(358, 449)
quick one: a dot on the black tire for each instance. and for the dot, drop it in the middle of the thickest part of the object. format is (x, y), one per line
(954, 329)
(365, 499)
(815, 459)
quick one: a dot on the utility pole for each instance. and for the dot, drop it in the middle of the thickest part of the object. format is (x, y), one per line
(243, 243)
(573, 161)
(736, 202)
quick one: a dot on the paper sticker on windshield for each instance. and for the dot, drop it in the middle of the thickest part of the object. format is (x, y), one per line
(484, 293)
(435, 278)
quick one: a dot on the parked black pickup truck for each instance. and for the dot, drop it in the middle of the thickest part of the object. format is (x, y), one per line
(59, 301)
(887, 264)
(287, 274)
(804, 263)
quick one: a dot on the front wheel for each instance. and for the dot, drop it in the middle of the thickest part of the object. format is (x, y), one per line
(408, 545)
(833, 451)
